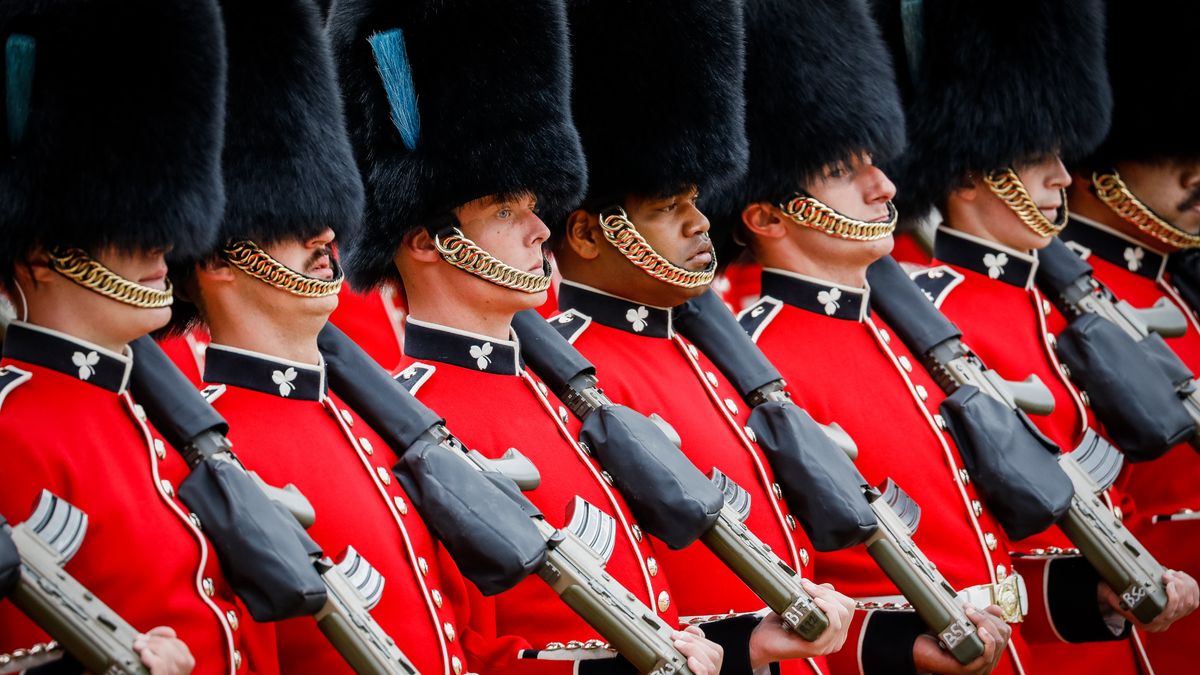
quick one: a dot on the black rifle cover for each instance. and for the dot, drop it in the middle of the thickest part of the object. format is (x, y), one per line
(1134, 399)
(1013, 464)
(265, 554)
(1184, 267)
(1059, 268)
(907, 311)
(367, 388)
(10, 560)
(481, 518)
(820, 483)
(548, 353)
(263, 551)
(1166, 359)
(821, 486)
(667, 494)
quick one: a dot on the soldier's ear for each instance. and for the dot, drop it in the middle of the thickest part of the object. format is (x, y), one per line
(764, 220)
(583, 234)
(214, 268)
(418, 244)
(37, 265)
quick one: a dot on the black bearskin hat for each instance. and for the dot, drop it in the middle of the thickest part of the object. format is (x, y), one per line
(819, 89)
(110, 128)
(449, 101)
(1152, 60)
(289, 171)
(658, 95)
(991, 85)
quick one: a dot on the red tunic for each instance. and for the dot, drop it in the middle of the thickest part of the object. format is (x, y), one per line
(979, 283)
(374, 320)
(292, 430)
(1166, 486)
(68, 425)
(823, 340)
(492, 404)
(643, 363)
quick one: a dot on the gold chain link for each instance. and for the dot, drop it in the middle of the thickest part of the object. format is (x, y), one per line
(1007, 185)
(1117, 196)
(467, 256)
(35, 655)
(810, 212)
(249, 258)
(622, 234)
(76, 265)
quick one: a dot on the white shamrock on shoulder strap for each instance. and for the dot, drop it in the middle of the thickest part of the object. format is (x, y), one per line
(995, 263)
(284, 379)
(1133, 257)
(637, 317)
(480, 353)
(86, 364)
(830, 299)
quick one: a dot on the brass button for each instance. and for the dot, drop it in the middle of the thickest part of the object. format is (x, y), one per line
(423, 565)
(400, 505)
(456, 664)
(1118, 513)
(160, 449)
(237, 659)
(652, 566)
(990, 540)
(347, 417)
(449, 631)
(733, 409)
(712, 379)
(384, 475)
(195, 520)
(637, 532)
(607, 477)
(940, 421)
(1062, 367)
(664, 601)
(1045, 307)
(750, 434)
(791, 522)
(1084, 397)
(437, 597)
(905, 364)
(207, 585)
(778, 490)
(921, 392)
(366, 446)
(883, 335)
(139, 412)
(693, 351)
(231, 617)
(562, 414)
(166, 487)
(976, 508)
(584, 447)
(804, 557)
(543, 389)
(964, 476)
(1052, 340)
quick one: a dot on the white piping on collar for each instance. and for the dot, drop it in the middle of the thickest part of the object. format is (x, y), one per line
(1162, 266)
(597, 291)
(319, 368)
(512, 342)
(126, 358)
(1030, 258)
(864, 292)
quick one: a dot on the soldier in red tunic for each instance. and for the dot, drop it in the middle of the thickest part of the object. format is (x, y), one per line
(263, 294)
(459, 116)
(111, 158)
(1135, 208)
(990, 163)
(639, 246)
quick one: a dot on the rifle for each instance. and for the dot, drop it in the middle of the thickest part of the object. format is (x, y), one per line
(628, 450)
(79, 622)
(709, 324)
(434, 464)
(1113, 356)
(238, 510)
(1027, 482)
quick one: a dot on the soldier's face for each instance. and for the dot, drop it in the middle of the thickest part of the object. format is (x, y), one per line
(312, 257)
(1044, 180)
(1170, 189)
(678, 231)
(510, 229)
(857, 189)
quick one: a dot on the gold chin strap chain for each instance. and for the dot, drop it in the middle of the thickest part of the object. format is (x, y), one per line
(76, 265)
(467, 256)
(1007, 185)
(810, 212)
(1113, 192)
(622, 234)
(249, 258)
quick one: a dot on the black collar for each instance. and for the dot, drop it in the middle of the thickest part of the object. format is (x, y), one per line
(614, 311)
(432, 342)
(1087, 238)
(814, 295)
(264, 373)
(990, 259)
(68, 355)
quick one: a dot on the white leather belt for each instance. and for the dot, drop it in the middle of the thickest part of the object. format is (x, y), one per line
(1009, 594)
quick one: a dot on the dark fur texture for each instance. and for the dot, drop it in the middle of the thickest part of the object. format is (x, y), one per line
(1153, 58)
(289, 170)
(492, 81)
(658, 96)
(999, 84)
(820, 89)
(123, 140)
